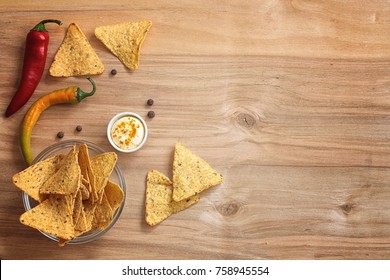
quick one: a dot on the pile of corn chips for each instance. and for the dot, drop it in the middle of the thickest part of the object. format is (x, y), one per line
(74, 193)
(76, 57)
(191, 175)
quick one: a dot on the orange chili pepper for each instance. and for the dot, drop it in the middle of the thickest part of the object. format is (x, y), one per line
(72, 95)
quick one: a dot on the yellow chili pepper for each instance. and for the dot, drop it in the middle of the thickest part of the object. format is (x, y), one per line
(72, 95)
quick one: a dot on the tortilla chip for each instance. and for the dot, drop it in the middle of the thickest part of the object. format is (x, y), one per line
(103, 214)
(80, 226)
(158, 201)
(158, 198)
(84, 181)
(124, 40)
(30, 180)
(89, 208)
(51, 216)
(102, 166)
(84, 161)
(84, 190)
(191, 174)
(178, 206)
(114, 194)
(66, 181)
(86, 171)
(101, 182)
(78, 206)
(80, 223)
(75, 56)
(72, 197)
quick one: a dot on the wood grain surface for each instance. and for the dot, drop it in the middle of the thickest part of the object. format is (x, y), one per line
(288, 99)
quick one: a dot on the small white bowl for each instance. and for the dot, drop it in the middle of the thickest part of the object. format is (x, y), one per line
(141, 131)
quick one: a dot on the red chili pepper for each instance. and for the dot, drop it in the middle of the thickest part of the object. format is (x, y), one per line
(35, 53)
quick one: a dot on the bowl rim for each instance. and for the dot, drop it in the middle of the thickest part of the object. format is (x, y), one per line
(92, 235)
(118, 116)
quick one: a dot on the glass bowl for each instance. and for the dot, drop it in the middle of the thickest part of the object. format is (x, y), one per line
(63, 147)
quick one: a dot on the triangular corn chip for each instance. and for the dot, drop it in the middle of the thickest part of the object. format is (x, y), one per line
(31, 179)
(89, 208)
(51, 216)
(158, 201)
(66, 181)
(124, 40)
(103, 214)
(77, 207)
(102, 166)
(191, 174)
(86, 171)
(114, 194)
(80, 226)
(75, 56)
(84, 190)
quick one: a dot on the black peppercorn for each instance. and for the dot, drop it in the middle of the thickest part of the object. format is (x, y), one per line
(113, 72)
(151, 114)
(60, 134)
(79, 128)
(150, 102)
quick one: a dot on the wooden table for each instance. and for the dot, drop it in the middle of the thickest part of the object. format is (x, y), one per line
(288, 99)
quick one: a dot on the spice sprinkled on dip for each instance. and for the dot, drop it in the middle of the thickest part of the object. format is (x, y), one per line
(127, 132)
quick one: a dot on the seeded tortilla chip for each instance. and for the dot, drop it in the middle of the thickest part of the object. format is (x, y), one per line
(66, 181)
(191, 174)
(158, 200)
(86, 171)
(51, 216)
(80, 226)
(178, 206)
(102, 166)
(89, 208)
(75, 56)
(84, 190)
(31, 179)
(114, 194)
(101, 182)
(77, 207)
(103, 214)
(124, 40)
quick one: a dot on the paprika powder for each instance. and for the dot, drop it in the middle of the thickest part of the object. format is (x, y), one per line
(72, 95)
(35, 53)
